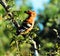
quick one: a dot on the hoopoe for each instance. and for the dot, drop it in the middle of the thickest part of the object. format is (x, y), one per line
(28, 23)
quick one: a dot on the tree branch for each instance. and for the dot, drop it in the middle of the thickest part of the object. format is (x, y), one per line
(10, 14)
(3, 3)
(35, 47)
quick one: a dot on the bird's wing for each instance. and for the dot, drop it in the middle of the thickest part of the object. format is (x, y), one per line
(24, 27)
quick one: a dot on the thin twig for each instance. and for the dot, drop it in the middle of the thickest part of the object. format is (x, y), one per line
(17, 46)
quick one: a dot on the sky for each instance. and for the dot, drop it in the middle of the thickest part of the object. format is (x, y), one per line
(37, 4)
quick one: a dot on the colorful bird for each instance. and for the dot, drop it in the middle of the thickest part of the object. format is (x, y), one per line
(28, 23)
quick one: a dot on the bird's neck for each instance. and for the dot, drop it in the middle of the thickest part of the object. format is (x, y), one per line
(31, 17)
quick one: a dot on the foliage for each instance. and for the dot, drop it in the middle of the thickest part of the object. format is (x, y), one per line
(47, 42)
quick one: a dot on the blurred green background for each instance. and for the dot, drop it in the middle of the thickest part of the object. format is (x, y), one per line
(47, 19)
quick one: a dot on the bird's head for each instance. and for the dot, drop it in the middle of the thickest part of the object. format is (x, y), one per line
(31, 13)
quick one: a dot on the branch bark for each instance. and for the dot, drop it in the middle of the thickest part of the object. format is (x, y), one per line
(3, 3)
(35, 47)
(10, 14)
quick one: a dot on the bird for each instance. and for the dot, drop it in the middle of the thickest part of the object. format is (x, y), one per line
(28, 23)
(26, 26)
